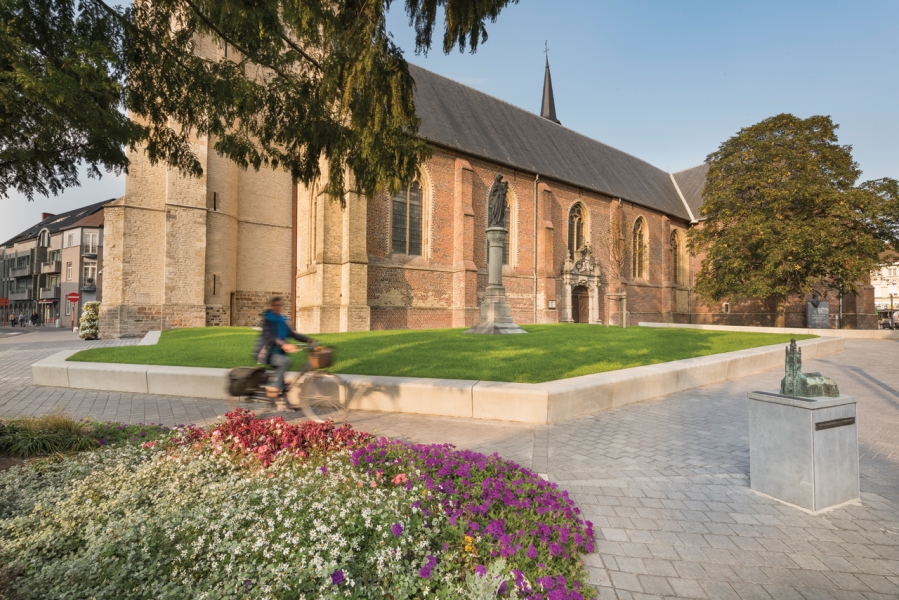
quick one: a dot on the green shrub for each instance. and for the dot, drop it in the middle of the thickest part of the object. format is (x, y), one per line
(27, 437)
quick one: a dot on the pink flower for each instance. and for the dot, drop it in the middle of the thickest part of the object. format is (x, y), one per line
(149, 444)
(401, 478)
(374, 483)
(359, 484)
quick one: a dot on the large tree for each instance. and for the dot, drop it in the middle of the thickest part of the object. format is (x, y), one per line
(294, 81)
(784, 214)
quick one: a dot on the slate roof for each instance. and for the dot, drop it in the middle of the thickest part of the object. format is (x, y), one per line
(691, 181)
(464, 119)
(59, 222)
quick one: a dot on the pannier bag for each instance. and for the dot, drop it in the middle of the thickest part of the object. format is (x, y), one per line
(243, 381)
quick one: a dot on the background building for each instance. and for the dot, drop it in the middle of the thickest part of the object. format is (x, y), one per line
(886, 284)
(61, 254)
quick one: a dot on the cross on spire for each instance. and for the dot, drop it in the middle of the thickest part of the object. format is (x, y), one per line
(548, 107)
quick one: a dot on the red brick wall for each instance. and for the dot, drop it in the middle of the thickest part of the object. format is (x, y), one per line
(418, 292)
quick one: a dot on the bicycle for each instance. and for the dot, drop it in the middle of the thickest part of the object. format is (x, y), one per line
(320, 395)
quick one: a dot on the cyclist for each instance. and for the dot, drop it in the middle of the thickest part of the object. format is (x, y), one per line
(273, 347)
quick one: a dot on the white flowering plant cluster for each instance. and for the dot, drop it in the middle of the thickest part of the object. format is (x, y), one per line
(147, 523)
(89, 327)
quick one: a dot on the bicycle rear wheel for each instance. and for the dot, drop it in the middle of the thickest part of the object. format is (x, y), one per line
(321, 396)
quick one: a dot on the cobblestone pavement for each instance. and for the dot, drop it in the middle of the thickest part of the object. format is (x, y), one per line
(666, 481)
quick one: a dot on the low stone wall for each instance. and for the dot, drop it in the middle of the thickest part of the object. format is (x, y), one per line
(863, 334)
(538, 403)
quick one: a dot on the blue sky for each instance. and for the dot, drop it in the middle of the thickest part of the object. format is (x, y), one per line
(666, 81)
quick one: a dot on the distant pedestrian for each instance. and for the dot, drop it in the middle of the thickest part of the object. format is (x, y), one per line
(12, 318)
(21, 319)
(34, 319)
(895, 320)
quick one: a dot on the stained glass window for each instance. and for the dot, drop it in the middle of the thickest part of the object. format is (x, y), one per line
(408, 216)
(639, 250)
(676, 265)
(575, 229)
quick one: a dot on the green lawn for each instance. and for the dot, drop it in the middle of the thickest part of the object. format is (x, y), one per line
(546, 353)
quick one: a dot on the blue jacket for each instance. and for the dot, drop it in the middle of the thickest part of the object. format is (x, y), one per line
(275, 329)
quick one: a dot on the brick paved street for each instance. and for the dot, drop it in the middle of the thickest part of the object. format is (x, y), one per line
(665, 481)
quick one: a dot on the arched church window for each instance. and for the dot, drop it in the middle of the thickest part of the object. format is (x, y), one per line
(576, 237)
(676, 260)
(407, 219)
(639, 250)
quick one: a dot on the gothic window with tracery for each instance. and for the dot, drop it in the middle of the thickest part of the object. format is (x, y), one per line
(676, 259)
(576, 237)
(407, 220)
(639, 250)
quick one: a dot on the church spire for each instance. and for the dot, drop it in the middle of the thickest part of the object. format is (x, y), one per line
(548, 108)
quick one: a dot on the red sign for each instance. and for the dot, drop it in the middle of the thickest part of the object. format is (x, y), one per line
(73, 297)
(4, 302)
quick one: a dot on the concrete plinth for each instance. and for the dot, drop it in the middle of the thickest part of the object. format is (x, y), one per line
(803, 450)
(496, 312)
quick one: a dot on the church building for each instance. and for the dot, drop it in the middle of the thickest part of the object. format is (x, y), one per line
(595, 235)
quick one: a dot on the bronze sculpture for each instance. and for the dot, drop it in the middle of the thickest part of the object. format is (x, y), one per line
(804, 385)
(496, 208)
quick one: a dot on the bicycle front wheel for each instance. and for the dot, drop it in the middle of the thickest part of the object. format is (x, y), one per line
(321, 396)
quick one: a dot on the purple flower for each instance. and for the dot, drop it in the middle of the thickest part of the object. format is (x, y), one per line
(532, 552)
(143, 434)
(480, 570)
(324, 470)
(337, 577)
(424, 572)
(548, 583)
(397, 529)
(102, 442)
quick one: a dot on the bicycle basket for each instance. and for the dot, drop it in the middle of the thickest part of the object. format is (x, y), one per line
(321, 358)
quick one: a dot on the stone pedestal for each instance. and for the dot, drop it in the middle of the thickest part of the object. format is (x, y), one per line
(496, 312)
(817, 317)
(803, 450)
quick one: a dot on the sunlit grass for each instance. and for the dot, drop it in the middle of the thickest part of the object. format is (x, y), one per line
(546, 353)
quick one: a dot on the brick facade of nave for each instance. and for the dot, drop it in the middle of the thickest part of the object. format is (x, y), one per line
(214, 251)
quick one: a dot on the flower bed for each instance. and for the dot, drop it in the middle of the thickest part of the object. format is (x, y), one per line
(264, 509)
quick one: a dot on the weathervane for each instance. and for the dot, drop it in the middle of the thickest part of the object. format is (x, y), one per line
(546, 48)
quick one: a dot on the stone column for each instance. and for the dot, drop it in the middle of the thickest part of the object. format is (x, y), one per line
(566, 317)
(496, 312)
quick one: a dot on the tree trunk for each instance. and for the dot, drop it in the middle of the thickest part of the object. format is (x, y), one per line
(780, 311)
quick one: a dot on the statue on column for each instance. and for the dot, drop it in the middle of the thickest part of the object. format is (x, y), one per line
(496, 312)
(496, 207)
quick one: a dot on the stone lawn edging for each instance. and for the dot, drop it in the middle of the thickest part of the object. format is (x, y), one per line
(538, 403)
(862, 334)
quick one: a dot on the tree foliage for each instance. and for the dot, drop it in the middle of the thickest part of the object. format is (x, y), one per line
(61, 95)
(277, 83)
(784, 213)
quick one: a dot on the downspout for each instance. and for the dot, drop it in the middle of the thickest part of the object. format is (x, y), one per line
(536, 181)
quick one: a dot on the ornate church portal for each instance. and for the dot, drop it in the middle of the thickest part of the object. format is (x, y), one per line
(580, 288)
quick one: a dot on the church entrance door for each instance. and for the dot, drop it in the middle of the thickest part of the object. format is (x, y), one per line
(580, 305)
